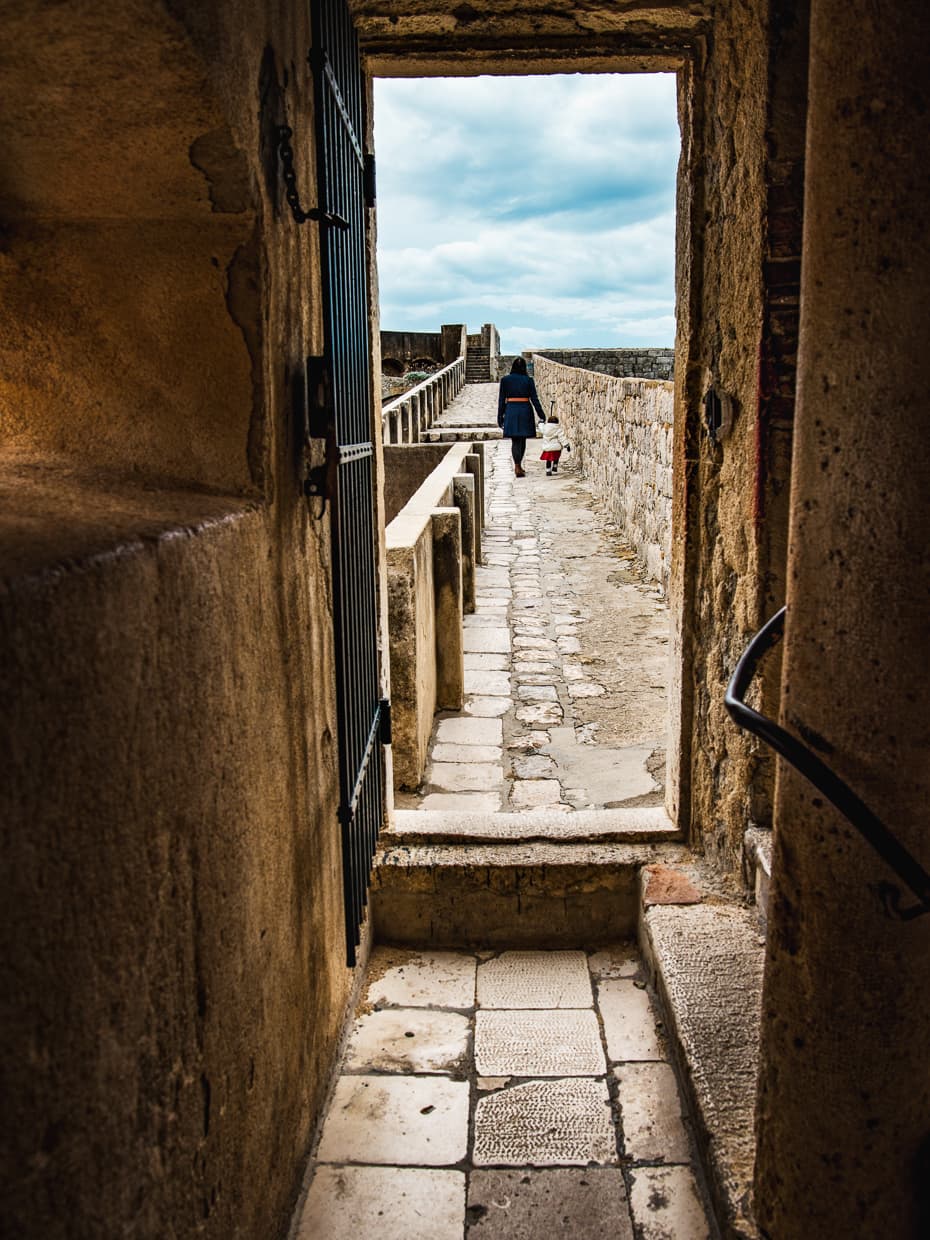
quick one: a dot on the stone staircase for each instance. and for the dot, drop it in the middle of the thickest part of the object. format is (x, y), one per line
(595, 877)
(477, 364)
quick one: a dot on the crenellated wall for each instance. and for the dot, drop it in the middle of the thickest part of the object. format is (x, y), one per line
(620, 432)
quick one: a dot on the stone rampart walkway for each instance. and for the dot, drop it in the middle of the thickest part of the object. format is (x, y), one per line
(566, 653)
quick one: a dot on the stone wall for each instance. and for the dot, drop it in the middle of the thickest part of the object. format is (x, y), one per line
(621, 363)
(433, 543)
(173, 977)
(620, 431)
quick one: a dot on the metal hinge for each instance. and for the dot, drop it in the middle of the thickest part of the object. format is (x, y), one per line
(385, 724)
(370, 187)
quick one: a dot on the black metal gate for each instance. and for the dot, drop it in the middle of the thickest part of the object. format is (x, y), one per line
(344, 189)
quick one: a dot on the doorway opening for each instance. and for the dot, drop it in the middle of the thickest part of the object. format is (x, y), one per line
(546, 207)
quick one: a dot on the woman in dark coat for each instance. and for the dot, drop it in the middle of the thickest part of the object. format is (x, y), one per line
(515, 404)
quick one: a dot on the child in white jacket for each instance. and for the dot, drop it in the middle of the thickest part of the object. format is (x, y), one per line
(553, 441)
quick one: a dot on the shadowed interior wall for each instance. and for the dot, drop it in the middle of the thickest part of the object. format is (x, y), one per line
(730, 507)
(174, 981)
(844, 1135)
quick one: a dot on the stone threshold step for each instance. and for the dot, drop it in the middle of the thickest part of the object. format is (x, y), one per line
(622, 826)
(543, 895)
(452, 434)
(706, 962)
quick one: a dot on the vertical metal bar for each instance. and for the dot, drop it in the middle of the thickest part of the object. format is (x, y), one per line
(339, 109)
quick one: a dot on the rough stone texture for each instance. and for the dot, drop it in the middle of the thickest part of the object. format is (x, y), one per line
(620, 431)
(441, 37)
(545, 1122)
(538, 1044)
(845, 1091)
(707, 962)
(173, 979)
(405, 1120)
(348, 1203)
(730, 494)
(535, 980)
(509, 895)
(618, 363)
(667, 886)
(520, 1205)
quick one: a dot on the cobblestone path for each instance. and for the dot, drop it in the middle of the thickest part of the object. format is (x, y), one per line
(504, 1096)
(566, 652)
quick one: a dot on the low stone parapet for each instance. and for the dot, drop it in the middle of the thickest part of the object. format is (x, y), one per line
(433, 545)
(407, 418)
(620, 431)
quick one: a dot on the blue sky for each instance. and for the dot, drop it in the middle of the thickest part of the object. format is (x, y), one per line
(544, 205)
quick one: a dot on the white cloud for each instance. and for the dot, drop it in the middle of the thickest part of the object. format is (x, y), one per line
(544, 205)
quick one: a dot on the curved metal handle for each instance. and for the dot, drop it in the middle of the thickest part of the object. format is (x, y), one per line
(803, 759)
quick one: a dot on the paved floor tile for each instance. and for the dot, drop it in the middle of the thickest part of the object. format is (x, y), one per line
(629, 1023)
(486, 662)
(542, 712)
(487, 682)
(545, 1123)
(463, 776)
(401, 1120)
(487, 707)
(535, 979)
(588, 1204)
(422, 979)
(650, 1112)
(462, 802)
(620, 961)
(666, 1205)
(480, 620)
(466, 753)
(537, 693)
(530, 793)
(383, 1203)
(535, 766)
(486, 641)
(463, 731)
(538, 1043)
(408, 1040)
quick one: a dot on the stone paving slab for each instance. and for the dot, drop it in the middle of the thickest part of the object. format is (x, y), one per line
(545, 1123)
(468, 802)
(348, 1203)
(396, 1120)
(538, 1044)
(629, 1021)
(666, 1204)
(554, 979)
(608, 825)
(651, 1113)
(487, 682)
(421, 979)
(463, 776)
(487, 707)
(465, 731)
(466, 753)
(408, 1040)
(587, 1204)
(486, 641)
